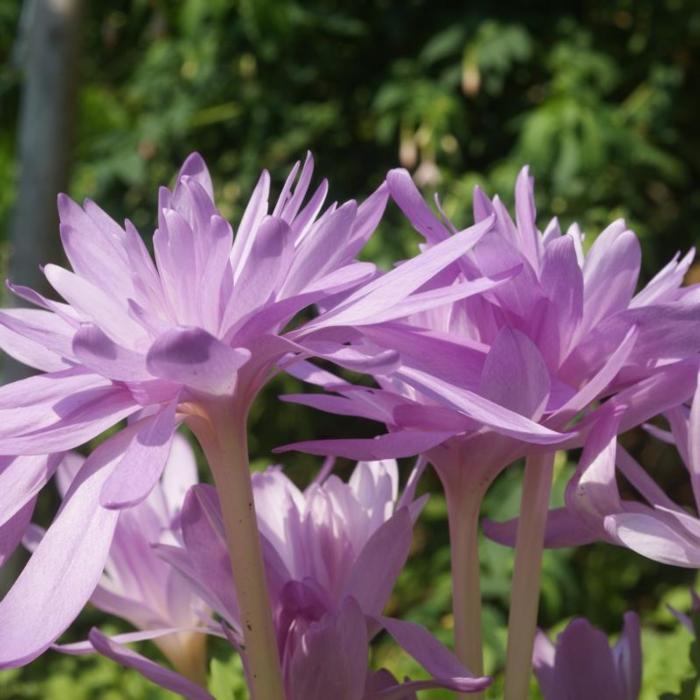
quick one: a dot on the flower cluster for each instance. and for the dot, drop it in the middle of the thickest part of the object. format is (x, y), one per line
(495, 343)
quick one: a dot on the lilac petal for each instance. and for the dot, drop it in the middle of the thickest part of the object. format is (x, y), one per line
(21, 479)
(515, 375)
(431, 352)
(196, 359)
(628, 657)
(525, 216)
(252, 216)
(302, 225)
(180, 474)
(406, 195)
(163, 677)
(96, 305)
(435, 658)
(143, 462)
(543, 661)
(594, 492)
(668, 279)
(102, 355)
(640, 479)
(337, 405)
(694, 443)
(481, 409)
(610, 274)
(564, 528)
(384, 554)
(387, 446)
(203, 534)
(369, 214)
(322, 252)
(562, 282)
(58, 411)
(386, 291)
(407, 690)
(424, 301)
(603, 378)
(481, 204)
(332, 660)
(80, 648)
(66, 565)
(195, 167)
(12, 530)
(584, 667)
(265, 269)
(288, 207)
(653, 538)
(37, 338)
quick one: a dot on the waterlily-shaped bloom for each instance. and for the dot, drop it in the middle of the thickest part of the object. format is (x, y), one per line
(581, 665)
(520, 360)
(657, 527)
(332, 554)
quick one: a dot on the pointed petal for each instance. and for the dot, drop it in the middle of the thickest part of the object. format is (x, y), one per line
(195, 167)
(610, 274)
(436, 659)
(481, 409)
(37, 338)
(196, 359)
(12, 529)
(163, 677)
(406, 195)
(394, 286)
(543, 660)
(21, 479)
(388, 446)
(564, 528)
(102, 355)
(628, 657)
(384, 554)
(143, 462)
(515, 375)
(252, 216)
(584, 666)
(331, 661)
(66, 566)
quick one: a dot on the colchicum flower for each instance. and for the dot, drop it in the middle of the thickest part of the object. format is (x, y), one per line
(582, 665)
(332, 554)
(517, 370)
(195, 334)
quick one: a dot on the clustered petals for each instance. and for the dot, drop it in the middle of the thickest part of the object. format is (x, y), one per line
(496, 342)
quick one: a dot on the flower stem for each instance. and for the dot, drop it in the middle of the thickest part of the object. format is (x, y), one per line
(463, 518)
(224, 440)
(525, 592)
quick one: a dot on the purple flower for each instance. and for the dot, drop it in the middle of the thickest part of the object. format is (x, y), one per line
(332, 554)
(154, 342)
(515, 370)
(556, 330)
(582, 665)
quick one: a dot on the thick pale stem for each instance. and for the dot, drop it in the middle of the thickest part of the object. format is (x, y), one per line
(463, 512)
(525, 592)
(226, 448)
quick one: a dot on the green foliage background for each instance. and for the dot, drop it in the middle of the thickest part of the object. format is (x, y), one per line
(600, 98)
